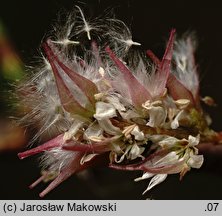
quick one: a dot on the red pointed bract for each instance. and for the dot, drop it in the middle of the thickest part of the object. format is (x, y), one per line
(169, 47)
(56, 142)
(95, 147)
(176, 89)
(86, 85)
(35, 183)
(64, 174)
(138, 92)
(69, 103)
(167, 58)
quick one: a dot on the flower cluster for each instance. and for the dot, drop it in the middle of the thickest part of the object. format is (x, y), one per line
(97, 97)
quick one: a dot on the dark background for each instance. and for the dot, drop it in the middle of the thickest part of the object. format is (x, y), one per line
(28, 21)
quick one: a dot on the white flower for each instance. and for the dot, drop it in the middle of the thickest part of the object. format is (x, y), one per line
(137, 133)
(167, 142)
(72, 130)
(93, 131)
(104, 111)
(108, 127)
(195, 161)
(193, 141)
(157, 113)
(175, 122)
(181, 160)
(135, 152)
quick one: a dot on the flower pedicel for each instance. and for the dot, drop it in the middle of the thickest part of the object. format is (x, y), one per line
(99, 99)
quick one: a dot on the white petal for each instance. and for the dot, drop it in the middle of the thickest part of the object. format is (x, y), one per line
(116, 103)
(168, 142)
(129, 114)
(87, 158)
(104, 111)
(175, 123)
(107, 126)
(193, 141)
(145, 175)
(138, 134)
(157, 179)
(135, 152)
(123, 156)
(72, 130)
(157, 116)
(170, 159)
(93, 130)
(182, 103)
(195, 161)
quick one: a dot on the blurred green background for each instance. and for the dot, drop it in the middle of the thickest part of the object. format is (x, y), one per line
(24, 24)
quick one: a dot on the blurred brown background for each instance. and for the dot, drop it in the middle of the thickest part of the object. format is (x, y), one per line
(27, 22)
